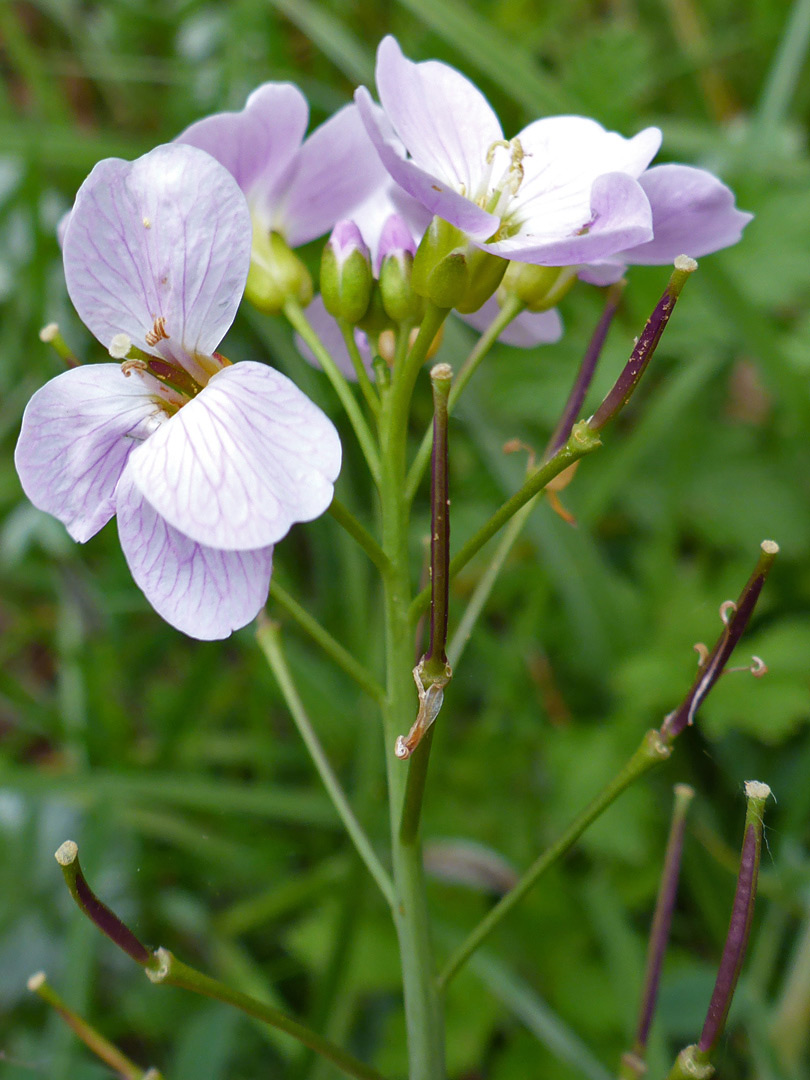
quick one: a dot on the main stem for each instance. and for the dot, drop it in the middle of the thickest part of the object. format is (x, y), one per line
(422, 1007)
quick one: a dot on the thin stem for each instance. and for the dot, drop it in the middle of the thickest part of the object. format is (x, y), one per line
(361, 534)
(711, 668)
(433, 670)
(67, 855)
(423, 1014)
(646, 345)
(162, 967)
(342, 657)
(434, 663)
(486, 582)
(299, 322)
(507, 313)
(369, 393)
(742, 913)
(633, 1065)
(650, 752)
(586, 371)
(581, 442)
(693, 1062)
(92, 1039)
(52, 336)
(167, 970)
(269, 639)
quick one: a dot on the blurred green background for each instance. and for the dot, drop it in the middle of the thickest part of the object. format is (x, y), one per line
(174, 764)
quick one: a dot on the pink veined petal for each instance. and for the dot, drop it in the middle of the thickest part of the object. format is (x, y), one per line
(530, 328)
(336, 170)
(436, 194)
(241, 462)
(257, 145)
(165, 236)
(619, 217)
(77, 433)
(205, 592)
(693, 214)
(445, 122)
(563, 156)
(331, 337)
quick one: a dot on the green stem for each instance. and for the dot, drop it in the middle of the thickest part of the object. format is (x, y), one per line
(342, 657)
(369, 393)
(162, 967)
(423, 1014)
(361, 534)
(650, 752)
(92, 1039)
(298, 320)
(167, 970)
(581, 442)
(507, 313)
(486, 583)
(269, 640)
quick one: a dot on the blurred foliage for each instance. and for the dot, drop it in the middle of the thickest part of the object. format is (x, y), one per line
(174, 764)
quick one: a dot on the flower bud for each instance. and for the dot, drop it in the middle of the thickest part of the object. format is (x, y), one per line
(540, 288)
(485, 273)
(397, 249)
(346, 279)
(440, 265)
(276, 274)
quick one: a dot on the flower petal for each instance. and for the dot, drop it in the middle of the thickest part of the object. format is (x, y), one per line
(336, 170)
(241, 462)
(205, 592)
(435, 193)
(445, 122)
(165, 236)
(332, 340)
(619, 213)
(693, 214)
(530, 328)
(77, 433)
(257, 145)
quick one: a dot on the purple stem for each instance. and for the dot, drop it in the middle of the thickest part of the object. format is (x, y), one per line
(587, 368)
(641, 355)
(662, 920)
(740, 925)
(106, 920)
(710, 671)
(435, 659)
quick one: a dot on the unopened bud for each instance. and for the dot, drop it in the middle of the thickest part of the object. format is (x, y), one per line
(346, 279)
(540, 288)
(396, 255)
(276, 274)
(485, 272)
(440, 265)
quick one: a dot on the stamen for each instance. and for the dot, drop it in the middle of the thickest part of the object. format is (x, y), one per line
(158, 331)
(119, 347)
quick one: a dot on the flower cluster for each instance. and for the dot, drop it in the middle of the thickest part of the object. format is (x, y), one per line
(207, 464)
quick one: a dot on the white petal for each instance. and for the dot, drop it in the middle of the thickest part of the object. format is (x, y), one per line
(243, 461)
(443, 119)
(77, 433)
(205, 592)
(563, 157)
(165, 236)
(258, 144)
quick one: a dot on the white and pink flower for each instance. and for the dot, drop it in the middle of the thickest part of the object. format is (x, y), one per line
(206, 463)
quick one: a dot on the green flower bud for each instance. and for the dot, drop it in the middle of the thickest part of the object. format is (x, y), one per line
(346, 279)
(396, 256)
(540, 288)
(276, 274)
